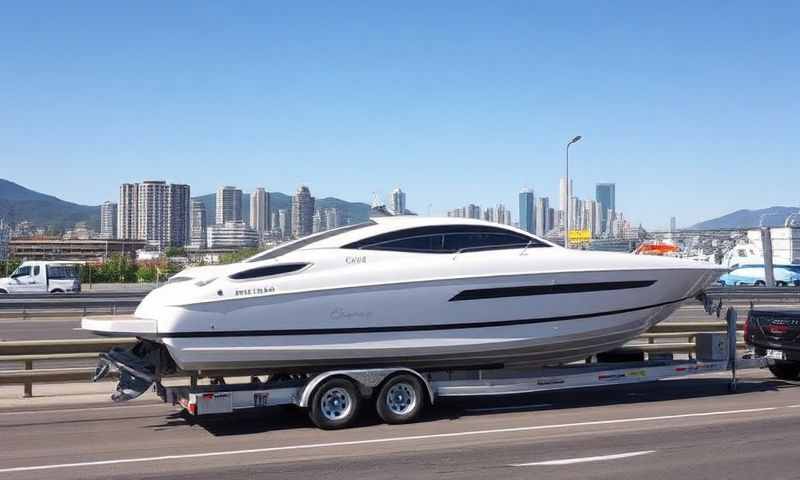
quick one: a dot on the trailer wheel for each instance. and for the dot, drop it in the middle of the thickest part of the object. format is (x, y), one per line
(334, 404)
(401, 399)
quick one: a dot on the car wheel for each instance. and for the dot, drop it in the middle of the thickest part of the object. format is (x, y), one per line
(781, 284)
(3, 292)
(786, 370)
(760, 283)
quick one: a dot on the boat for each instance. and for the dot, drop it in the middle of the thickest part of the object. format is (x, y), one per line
(416, 292)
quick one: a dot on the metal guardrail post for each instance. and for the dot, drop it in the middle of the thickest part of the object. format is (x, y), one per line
(731, 318)
(28, 392)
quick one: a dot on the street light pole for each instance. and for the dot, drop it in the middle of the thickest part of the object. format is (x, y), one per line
(569, 195)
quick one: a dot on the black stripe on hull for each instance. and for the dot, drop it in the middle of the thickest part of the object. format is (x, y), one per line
(409, 328)
(532, 290)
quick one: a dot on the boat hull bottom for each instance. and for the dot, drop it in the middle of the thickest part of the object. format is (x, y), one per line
(515, 348)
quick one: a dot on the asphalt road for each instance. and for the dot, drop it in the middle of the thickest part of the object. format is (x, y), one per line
(689, 428)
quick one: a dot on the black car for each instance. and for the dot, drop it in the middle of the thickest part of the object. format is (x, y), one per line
(776, 334)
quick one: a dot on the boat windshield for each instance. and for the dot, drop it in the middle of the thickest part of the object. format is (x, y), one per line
(306, 241)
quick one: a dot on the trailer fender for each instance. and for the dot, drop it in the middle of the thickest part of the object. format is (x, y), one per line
(366, 379)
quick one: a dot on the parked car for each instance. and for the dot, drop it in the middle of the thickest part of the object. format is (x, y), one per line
(785, 275)
(43, 277)
(776, 335)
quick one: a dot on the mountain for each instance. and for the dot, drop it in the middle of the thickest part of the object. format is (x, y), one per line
(356, 211)
(773, 217)
(18, 203)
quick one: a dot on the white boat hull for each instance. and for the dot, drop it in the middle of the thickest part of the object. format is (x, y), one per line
(423, 324)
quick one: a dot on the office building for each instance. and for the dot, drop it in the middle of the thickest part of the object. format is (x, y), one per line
(398, 203)
(72, 249)
(672, 224)
(231, 235)
(199, 221)
(108, 220)
(473, 211)
(127, 215)
(605, 195)
(542, 210)
(260, 219)
(527, 217)
(302, 212)
(229, 205)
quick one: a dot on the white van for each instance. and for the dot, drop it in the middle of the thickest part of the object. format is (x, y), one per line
(43, 277)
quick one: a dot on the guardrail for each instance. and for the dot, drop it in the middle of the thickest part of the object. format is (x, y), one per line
(30, 351)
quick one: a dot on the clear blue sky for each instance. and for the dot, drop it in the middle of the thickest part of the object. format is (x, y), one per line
(692, 108)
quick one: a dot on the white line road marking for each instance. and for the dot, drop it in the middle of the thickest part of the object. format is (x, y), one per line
(81, 409)
(570, 461)
(509, 408)
(382, 440)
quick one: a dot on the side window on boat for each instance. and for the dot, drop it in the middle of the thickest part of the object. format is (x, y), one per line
(268, 271)
(447, 239)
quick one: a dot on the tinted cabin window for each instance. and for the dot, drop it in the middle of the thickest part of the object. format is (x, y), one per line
(455, 242)
(427, 243)
(36, 270)
(267, 271)
(447, 239)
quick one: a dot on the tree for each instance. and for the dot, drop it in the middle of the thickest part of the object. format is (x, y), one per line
(238, 256)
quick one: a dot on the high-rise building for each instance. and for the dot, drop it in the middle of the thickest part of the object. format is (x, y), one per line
(229, 205)
(108, 220)
(331, 218)
(179, 215)
(673, 224)
(285, 223)
(488, 214)
(473, 211)
(302, 212)
(605, 194)
(152, 212)
(398, 204)
(551, 219)
(527, 216)
(127, 214)
(507, 217)
(199, 221)
(317, 222)
(542, 210)
(260, 219)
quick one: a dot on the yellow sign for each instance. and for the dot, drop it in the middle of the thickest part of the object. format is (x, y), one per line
(580, 235)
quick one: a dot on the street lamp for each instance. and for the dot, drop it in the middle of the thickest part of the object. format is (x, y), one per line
(569, 195)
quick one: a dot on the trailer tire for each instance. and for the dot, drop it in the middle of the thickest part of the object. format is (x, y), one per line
(334, 404)
(786, 370)
(400, 399)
